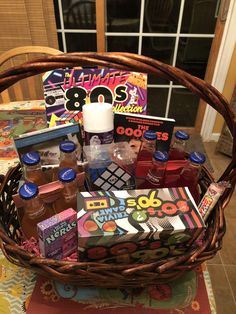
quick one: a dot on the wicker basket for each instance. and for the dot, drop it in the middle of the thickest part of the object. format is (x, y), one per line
(116, 275)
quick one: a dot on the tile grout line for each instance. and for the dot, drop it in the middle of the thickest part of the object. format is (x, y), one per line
(215, 264)
(210, 292)
(227, 277)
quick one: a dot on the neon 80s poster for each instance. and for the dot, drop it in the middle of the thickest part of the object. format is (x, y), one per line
(67, 90)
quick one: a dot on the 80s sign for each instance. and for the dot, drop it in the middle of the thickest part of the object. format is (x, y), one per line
(72, 88)
(76, 97)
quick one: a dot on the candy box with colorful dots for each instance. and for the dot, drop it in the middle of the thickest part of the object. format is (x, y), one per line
(58, 235)
(136, 225)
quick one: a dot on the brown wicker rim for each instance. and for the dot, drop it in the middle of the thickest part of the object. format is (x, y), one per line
(117, 275)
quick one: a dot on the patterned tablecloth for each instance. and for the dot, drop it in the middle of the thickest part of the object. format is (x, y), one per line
(186, 295)
(16, 286)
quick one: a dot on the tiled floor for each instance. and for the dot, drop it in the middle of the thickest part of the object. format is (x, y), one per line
(222, 268)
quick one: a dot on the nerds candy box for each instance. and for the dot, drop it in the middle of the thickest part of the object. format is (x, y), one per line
(136, 225)
(58, 235)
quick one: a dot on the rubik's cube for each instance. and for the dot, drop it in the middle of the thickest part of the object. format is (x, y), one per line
(111, 178)
(70, 117)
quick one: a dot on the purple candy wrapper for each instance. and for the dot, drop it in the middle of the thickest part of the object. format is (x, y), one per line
(58, 235)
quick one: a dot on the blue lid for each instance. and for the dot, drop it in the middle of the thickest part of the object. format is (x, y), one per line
(161, 156)
(181, 135)
(31, 159)
(28, 190)
(67, 146)
(197, 158)
(150, 135)
(66, 175)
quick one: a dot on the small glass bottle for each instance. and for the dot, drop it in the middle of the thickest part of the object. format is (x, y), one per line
(145, 154)
(156, 174)
(177, 150)
(35, 210)
(68, 158)
(32, 168)
(67, 176)
(190, 174)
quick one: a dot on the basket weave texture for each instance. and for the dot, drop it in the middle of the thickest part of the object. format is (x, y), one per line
(117, 275)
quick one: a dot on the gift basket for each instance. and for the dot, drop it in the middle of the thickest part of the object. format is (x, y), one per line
(125, 273)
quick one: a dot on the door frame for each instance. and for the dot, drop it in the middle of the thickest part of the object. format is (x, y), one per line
(220, 73)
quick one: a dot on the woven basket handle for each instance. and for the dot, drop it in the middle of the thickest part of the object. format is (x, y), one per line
(133, 62)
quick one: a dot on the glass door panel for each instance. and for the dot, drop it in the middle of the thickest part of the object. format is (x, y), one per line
(76, 25)
(80, 42)
(122, 43)
(157, 99)
(183, 107)
(161, 16)
(176, 32)
(199, 16)
(192, 55)
(123, 16)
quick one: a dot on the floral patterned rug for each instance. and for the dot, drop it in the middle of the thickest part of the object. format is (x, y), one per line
(22, 292)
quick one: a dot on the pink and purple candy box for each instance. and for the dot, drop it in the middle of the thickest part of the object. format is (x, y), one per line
(58, 235)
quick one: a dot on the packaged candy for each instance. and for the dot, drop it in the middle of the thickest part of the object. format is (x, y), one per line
(211, 197)
(58, 235)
